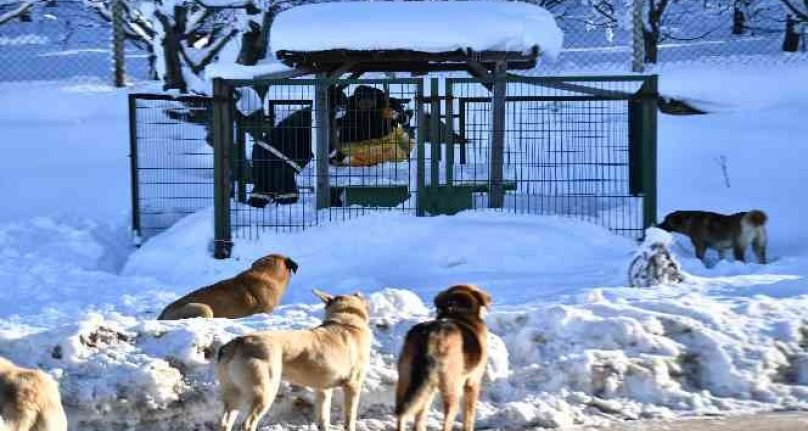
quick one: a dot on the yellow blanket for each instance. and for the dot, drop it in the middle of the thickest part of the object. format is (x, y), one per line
(394, 147)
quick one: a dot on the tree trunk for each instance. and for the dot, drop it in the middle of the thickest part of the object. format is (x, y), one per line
(254, 43)
(791, 39)
(173, 78)
(652, 34)
(650, 41)
(738, 19)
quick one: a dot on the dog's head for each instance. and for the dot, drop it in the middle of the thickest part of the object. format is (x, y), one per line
(463, 300)
(275, 262)
(674, 222)
(351, 306)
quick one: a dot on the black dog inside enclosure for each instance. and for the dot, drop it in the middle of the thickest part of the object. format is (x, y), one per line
(281, 154)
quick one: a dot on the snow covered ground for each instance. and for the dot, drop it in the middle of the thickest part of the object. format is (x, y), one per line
(572, 344)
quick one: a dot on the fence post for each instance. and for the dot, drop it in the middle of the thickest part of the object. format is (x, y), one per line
(449, 111)
(222, 139)
(118, 66)
(649, 96)
(496, 193)
(638, 39)
(434, 133)
(419, 151)
(133, 170)
(322, 109)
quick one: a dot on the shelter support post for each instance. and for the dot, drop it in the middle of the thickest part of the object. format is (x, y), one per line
(496, 194)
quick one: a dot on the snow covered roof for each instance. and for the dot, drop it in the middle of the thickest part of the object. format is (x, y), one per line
(429, 26)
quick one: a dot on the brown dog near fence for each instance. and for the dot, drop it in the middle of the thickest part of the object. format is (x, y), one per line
(449, 355)
(256, 290)
(334, 354)
(29, 400)
(721, 232)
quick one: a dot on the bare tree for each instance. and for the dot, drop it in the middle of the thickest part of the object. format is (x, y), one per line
(18, 10)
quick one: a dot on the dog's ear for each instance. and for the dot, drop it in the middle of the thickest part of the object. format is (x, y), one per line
(484, 298)
(440, 299)
(363, 298)
(325, 297)
(291, 264)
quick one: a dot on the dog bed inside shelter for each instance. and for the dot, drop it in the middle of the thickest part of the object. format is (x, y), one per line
(349, 44)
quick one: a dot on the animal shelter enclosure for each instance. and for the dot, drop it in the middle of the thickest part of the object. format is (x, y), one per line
(281, 155)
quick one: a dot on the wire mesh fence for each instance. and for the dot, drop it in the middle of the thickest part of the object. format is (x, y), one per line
(566, 149)
(61, 39)
(599, 35)
(58, 39)
(287, 175)
(171, 160)
(294, 153)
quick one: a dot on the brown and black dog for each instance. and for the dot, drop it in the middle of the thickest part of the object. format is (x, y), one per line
(256, 290)
(448, 354)
(721, 232)
(29, 400)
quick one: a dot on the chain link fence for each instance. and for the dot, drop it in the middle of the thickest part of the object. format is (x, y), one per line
(74, 39)
(62, 39)
(606, 36)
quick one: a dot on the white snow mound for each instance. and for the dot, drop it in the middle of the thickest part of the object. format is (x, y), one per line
(418, 26)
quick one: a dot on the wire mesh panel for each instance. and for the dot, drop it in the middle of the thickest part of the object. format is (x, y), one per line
(172, 160)
(308, 151)
(567, 148)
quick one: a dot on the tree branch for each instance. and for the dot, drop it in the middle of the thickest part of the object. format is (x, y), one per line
(20, 10)
(800, 14)
(214, 51)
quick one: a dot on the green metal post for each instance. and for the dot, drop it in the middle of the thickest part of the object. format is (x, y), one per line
(222, 138)
(449, 133)
(434, 132)
(649, 103)
(133, 167)
(461, 120)
(420, 148)
(496, 195)
(322, 109)
(240, 164)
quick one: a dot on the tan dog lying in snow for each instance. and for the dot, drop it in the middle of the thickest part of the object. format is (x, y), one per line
(29, 400)
(256, 290)
(334, 354)
(449, 355)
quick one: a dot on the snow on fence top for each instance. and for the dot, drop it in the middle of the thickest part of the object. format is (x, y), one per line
(431, 27)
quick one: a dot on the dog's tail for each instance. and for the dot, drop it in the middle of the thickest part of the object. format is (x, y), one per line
(756, 217)
(429, 350)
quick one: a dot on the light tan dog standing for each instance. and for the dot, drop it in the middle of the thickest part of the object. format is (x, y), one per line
(334, 354)
(449, 355)
(256, 290)
(29, 400)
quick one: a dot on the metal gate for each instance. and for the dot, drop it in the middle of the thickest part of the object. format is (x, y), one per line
(171, 160)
